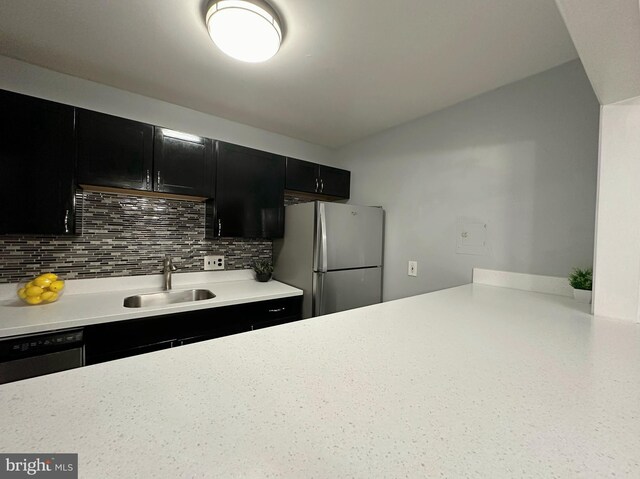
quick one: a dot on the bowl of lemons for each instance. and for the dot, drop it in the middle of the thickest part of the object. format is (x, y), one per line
(44, 289)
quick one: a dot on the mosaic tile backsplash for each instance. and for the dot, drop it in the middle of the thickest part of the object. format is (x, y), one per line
(121, 235)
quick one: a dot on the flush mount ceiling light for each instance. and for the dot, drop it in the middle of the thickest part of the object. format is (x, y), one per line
(245, 30)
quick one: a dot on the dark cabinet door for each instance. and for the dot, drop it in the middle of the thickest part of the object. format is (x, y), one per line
(114, 152)
(314, 178)
(249, 193)
(37, 159)
(183, 164)
(265, 314)
(120, 339)
(302, 176)
(334, 181)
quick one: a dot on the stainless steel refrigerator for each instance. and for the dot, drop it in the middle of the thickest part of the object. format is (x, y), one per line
(333, 252)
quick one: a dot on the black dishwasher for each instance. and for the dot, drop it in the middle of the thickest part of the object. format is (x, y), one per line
(34, 355)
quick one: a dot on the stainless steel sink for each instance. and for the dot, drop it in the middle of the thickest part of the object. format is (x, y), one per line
(167, 297)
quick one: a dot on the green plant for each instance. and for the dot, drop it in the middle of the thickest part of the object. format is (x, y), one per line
(263, 266)
(581, 278)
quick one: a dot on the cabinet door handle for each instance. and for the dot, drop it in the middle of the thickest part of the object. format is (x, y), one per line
(276, 310)
(66, 221)
(148, 185)
(321, 186)
(158, 183)
(219, 227)
(317, 186)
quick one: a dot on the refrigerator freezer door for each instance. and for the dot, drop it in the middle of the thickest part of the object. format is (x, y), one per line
(341, 290)
(348, 236)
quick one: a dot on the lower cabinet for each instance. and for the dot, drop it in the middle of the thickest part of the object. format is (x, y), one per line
(109, 341)
(272, 313)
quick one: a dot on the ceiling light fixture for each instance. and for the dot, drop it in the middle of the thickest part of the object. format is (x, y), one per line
(245, 30)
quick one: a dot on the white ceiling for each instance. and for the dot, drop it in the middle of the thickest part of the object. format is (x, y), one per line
(347, 69)
(607, 37)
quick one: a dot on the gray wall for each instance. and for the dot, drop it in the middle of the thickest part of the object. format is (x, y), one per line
(521, 159)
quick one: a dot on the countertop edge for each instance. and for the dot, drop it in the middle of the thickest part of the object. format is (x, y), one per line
(131, 314)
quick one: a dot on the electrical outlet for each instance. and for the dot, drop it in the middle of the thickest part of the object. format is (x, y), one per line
(213, 263)
(413, 268)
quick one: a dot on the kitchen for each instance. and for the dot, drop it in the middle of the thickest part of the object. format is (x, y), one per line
(519, 150)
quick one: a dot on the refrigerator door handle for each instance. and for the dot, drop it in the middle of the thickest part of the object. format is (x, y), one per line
(323, 239)
(318, 295)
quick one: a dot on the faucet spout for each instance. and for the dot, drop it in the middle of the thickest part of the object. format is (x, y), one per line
(167, 268)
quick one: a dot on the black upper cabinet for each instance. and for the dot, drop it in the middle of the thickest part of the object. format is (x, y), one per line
(37, 159)
(249, 194)
(114, 152)
(302, 176)
(317, 179)
(183, 164)
(334, 181)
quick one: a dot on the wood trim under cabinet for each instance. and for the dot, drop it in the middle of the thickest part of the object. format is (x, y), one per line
(152, 194)
(314, 196)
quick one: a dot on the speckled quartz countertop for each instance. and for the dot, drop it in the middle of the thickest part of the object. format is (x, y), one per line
(101, 300)
(474, 381)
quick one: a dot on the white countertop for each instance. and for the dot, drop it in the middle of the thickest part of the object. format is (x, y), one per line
(101, 300)
(474, 381)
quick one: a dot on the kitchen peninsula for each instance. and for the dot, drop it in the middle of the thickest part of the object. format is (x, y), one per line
(473, 381)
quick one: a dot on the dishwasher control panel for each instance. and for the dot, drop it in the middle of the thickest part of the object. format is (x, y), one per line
(31, 345)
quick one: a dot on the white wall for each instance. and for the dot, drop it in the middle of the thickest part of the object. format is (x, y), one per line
(617, 260)
(521, 159)
(36, 81)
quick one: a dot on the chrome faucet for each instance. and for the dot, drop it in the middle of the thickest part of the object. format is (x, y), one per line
(167, 269)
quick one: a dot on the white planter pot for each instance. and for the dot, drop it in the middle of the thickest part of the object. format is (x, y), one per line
(582, 295)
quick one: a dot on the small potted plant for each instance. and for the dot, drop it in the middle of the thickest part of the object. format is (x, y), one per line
(263, 269)
(581, 281)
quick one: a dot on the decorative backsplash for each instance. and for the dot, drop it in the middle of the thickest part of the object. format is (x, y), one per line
(121, 235)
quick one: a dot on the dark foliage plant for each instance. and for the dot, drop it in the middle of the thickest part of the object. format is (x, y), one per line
(581, 278)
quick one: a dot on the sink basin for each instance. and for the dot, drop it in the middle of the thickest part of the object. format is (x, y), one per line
(167, 297)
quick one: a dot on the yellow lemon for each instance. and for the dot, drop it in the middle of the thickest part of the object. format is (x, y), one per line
(42, 282)
(34, 291)
(50, 276)
(56, 286)
(33, 299)
(29, 284)
(49, 296)
(21, 293)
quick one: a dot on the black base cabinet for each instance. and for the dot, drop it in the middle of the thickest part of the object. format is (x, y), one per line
(109, 341)
(271, 313)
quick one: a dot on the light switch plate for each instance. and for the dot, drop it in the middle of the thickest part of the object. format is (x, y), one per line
(213, 263)
(412, 270)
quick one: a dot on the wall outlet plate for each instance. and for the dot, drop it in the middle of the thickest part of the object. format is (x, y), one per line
(213, 263)
(412, 269)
